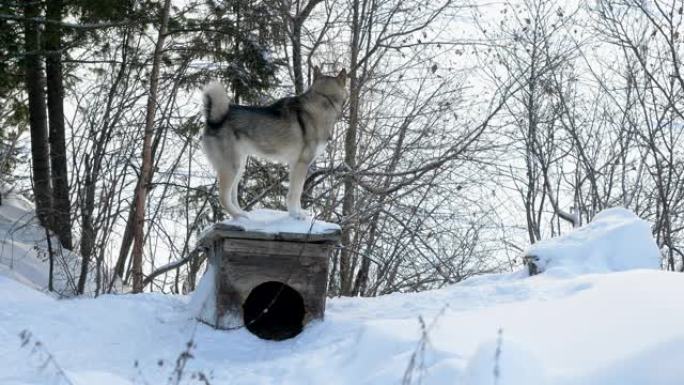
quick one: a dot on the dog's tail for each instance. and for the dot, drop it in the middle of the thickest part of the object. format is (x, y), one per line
(216, 104)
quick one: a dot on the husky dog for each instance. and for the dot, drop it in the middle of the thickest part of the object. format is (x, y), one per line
(292, 130)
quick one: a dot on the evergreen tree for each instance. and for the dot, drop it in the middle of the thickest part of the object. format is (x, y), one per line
(34, 81)
(13, 111)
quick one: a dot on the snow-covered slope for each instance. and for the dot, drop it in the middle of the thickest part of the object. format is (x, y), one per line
(24, 253)
(620, 328)
(615, 328)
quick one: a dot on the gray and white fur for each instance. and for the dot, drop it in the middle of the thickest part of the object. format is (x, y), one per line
(293, 130)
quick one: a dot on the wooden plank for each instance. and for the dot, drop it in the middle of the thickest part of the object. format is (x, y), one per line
(239, 274)
(275, 248)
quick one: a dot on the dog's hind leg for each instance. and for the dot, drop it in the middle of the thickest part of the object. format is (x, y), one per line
(298, 172)
(234, 189)
(227, 178)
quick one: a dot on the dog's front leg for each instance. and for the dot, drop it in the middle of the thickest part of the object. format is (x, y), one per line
(298, 172)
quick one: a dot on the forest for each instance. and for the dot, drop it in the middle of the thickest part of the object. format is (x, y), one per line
(471, 131)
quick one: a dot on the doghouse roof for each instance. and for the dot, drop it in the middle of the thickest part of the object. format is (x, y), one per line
(266, 224)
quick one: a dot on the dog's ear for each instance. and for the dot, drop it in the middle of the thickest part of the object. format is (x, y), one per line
(317, 72)
(342, 76)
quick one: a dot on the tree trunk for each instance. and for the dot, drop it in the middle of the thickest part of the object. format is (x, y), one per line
(296, 40)
(126, 242)
(37, 116)
(55, 105)
(51, 259)
(146, 168)
(87, 228)
(348, 200)
(297, 56)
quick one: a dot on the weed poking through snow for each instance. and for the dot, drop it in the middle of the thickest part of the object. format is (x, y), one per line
(44, 360)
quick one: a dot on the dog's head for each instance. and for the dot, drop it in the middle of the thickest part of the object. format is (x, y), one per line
(333, 86)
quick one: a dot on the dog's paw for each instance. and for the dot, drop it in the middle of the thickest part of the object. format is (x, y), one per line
(298, 215)
(240, 215)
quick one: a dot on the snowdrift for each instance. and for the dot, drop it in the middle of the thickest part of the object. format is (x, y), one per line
(24, 252)
(615, 240)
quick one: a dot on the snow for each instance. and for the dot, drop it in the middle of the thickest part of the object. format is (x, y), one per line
(273, 221)
(202, 304)
(590, 329)
(504, 362)
(615, 240)
(24, 253)
(605, 324)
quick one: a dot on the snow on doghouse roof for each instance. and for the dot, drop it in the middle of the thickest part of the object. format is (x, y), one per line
(272, 224)
(615, 240)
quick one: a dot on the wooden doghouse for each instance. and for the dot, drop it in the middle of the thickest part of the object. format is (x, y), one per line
(272, 283)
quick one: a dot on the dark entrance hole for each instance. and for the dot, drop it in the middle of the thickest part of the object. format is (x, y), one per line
(274, 311)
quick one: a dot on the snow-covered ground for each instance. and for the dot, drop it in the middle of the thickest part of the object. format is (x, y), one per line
(576, 328)
(619, 328)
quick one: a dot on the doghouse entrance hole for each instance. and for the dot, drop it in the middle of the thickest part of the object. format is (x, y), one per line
(274, 311)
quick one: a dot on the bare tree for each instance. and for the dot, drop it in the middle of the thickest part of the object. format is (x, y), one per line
(647, 35)
(146, 167)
